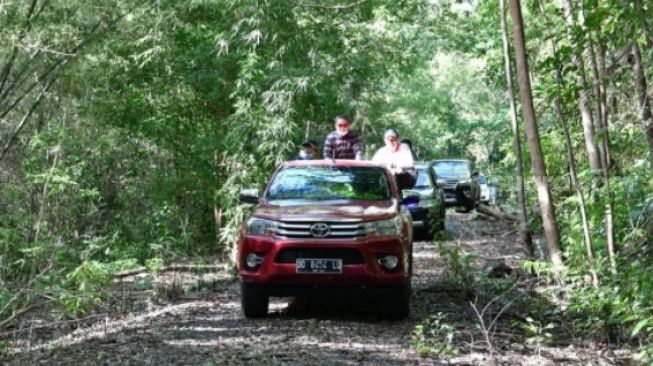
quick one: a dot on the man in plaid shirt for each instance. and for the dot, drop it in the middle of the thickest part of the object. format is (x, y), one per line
(343, 143)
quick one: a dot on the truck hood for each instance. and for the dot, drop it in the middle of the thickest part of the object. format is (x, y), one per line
(424, 192)
(327, 210)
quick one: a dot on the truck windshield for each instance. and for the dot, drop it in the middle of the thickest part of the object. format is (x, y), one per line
(452, 169)
(329, 183)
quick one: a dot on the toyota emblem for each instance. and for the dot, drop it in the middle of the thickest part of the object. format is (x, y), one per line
(320, 230)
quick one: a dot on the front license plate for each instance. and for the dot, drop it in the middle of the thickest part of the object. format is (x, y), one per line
(311, 265)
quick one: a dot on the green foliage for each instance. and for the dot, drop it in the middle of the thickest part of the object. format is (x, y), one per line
(144, 283)
(536, 333)
(154, 264)
(460, 271)
(140, 149)
(434, 336)
(454, 115)
(537, 268)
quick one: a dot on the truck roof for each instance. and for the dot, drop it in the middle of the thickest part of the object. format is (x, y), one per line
(337, 162)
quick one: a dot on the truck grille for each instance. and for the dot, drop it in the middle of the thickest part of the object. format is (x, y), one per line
(450, 184)
(348, 256)
(321, 229)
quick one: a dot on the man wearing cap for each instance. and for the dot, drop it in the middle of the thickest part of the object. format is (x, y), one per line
(343, 143)
(398, 158)
(307, 150)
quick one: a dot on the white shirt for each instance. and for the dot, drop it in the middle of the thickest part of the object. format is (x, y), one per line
(397, 161)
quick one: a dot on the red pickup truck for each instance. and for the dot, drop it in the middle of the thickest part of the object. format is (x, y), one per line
(326, 225)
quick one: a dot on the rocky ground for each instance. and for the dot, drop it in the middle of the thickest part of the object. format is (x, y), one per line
(195, 319)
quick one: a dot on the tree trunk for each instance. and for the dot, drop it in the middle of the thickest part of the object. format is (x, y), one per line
(642, 92)
(537, 158)
(603, 146)
(598, 94)
(571, 161)
(217, 208)
(583, 95)
(603, 75)
(217, 218)
(646, 30)
(579, 191)
(525, 234)
(25, 118)
(609, 223)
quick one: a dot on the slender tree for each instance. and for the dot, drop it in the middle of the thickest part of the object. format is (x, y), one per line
(571, 159)
(593, 154)
(537, 157)
(643, 20)
(603, 76)
(26, 77)
(519, 167)
(641, 85)
(603, 145)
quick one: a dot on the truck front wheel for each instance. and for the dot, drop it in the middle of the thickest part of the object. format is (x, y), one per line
(254, 301)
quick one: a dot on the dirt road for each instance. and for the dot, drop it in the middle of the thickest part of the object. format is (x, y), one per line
(205, 326)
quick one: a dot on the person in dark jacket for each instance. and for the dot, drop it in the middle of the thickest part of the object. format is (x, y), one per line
(343, 143)
(307, 151)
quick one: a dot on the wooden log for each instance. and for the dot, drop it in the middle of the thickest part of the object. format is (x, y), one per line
(172, 268)
(495, 212)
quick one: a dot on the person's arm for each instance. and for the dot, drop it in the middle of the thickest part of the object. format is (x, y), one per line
(378, 157)
(358, 148)
(404, 159)
(327, 152)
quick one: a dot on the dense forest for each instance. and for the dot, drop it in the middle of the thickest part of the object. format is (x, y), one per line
(127, 129)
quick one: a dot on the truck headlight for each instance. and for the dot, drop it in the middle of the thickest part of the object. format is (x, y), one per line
(261, 227)
(389, 261)
(426, 202)
(391, 227)
(253, 260)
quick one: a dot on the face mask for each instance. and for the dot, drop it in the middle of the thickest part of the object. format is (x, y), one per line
(305, 155)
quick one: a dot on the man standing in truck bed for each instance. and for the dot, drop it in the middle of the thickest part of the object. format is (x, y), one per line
(343, 143)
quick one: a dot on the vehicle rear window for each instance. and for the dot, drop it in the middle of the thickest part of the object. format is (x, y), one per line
(452, 168)
(481, 179)
(423, 178)
(329, 183)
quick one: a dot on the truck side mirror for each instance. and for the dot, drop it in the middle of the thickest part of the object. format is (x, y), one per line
(250, 196)
(409, 197)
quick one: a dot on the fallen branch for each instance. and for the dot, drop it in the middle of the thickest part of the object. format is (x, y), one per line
(333, 7)
(18, 313)
(180, 267)
(54, 323)
(496, 213)
(26, 289)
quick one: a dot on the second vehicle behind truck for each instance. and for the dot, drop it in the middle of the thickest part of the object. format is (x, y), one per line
(460, 182)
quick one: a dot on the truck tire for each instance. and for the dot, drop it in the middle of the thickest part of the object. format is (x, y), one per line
(442, 220)
(399, 306)
(253, 301)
